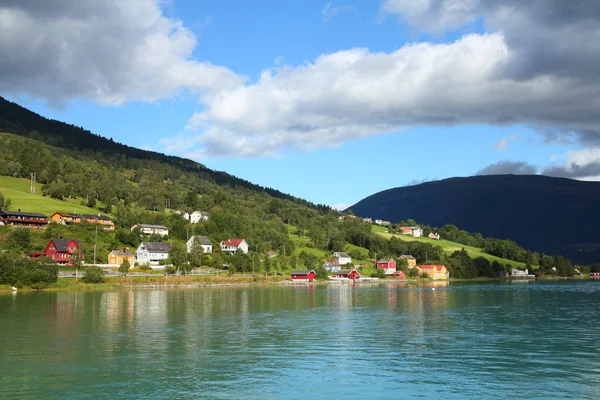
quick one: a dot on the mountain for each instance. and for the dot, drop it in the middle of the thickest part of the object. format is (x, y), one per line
(553, 215)
(23, 122)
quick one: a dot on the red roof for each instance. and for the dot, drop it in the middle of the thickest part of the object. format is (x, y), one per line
(233, 242)
(438, 267)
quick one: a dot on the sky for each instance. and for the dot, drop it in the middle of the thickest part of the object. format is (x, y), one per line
(331, 101)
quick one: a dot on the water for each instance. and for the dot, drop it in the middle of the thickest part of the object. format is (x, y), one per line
(528, 340)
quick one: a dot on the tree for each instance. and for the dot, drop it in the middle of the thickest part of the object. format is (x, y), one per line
(402, 264)
(5, 202)
(195, 255)
(178, 256)
(124, 267)
(77, 262)
(18, 238)
(93, 274)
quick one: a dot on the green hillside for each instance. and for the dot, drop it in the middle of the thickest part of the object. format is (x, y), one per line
(17, 190)
(448, 247)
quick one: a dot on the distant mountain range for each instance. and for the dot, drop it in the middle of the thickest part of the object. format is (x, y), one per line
(553, 215)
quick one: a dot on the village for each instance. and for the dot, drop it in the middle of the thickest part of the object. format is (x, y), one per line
(154, 255)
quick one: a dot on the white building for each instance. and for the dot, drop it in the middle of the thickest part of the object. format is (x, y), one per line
(146, 229)
(232, 245)
(205, 242)
(414, 231)
(196, 216)
(332, 266)
(520, 273)
(151, 253)
(342, 258)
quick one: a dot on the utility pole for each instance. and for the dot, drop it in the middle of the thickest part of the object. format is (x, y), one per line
(95, 242)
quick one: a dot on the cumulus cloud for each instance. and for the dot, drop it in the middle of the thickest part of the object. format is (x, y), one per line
(340, 207)
(580, 164)
(502, 144)
(515, 74)
(108, 51)
(509, 167)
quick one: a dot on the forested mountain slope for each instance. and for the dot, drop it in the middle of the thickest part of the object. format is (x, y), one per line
(553, 215)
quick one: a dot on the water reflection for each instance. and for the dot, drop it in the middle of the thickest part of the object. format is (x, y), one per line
(477, 340)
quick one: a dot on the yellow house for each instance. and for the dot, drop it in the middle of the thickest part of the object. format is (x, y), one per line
(116, 257)
(434, 271)
(75, 218)
(412, 262)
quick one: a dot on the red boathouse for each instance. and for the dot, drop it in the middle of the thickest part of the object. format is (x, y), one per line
(60, 250)
(308, 275)
(351, 274)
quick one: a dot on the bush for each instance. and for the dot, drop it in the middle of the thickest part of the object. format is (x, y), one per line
(378, 273)
(21, 272)
(93, 275)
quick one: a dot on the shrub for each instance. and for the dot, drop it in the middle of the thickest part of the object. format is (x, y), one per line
(378, 273)
(93, 275)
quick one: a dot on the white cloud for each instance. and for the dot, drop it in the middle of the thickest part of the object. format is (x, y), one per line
(340, 207)
(330, 11)
(502, 144)
(578, 164)
(109, 51)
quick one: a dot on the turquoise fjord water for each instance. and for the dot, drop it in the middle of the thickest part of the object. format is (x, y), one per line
(493, 340)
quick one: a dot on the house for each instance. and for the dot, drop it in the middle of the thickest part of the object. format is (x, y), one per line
(369, 220)
(410, 260)
(332, 266)
(146, 229)
(434, 236)
(23, 219)
(434, 271)
(233, 245)
(196, 216)
(342, 258)
(341, 217)
(400, 275)
(378, 221)
(304, 275)
(350, 274)
(205, 242)
(60, 250)
(117, 257)
(388, 265)
(76, 218)
(414, 231)
(152, 253)
(520, 273)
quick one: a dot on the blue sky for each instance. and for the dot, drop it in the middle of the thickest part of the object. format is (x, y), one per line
(329, 101)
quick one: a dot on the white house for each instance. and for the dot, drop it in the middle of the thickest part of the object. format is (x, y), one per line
(151, 253)
(196, 216)
(435, 236)
(205, 242)
(332, 266)
(342, 258)
(414, 231)
(232, 245)
(146, 229)
(520, 273)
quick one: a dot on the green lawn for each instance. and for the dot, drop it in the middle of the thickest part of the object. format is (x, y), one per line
(379, 229)
(17, 190)
(450, 247)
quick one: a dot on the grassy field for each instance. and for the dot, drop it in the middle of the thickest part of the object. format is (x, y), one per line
(17, 190)
(450, 247)
(378, 229)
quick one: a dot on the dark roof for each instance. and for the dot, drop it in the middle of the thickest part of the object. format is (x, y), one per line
(302, 272)
(157, 247)
(89, 216)
(344, 272)
(7, 213)
(408, 257)
(61, 244)
(122, 253)
(203, 240)
(152, 226)
(341, 254)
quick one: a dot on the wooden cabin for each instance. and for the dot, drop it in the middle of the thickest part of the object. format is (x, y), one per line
(308, 275)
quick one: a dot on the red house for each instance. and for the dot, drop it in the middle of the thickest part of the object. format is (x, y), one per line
(388, 265)
(23, 219)
(400, 275)
(308, 275)
(351, 274)
(60, 250)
